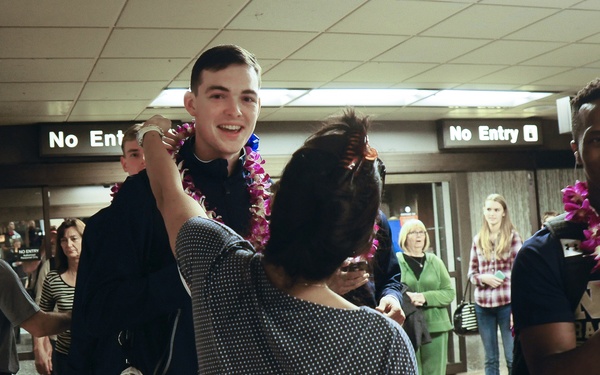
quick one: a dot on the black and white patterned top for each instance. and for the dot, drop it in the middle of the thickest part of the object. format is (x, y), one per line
(56, 292)
(245, 325)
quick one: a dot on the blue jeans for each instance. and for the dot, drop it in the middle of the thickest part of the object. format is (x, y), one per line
(489, 320)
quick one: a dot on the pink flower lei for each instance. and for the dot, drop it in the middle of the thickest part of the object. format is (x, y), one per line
(371, 253)
(258, 182)
(579, 210)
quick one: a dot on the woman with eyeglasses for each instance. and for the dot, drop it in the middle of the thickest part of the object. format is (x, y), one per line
(492, 257)
(430, 290)
(58, 291)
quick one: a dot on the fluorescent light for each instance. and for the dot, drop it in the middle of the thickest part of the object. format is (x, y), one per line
(279, 97)
(173, 98)
(360, 97)
(474, 98)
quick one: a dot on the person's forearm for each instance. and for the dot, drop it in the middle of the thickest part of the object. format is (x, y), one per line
(173, 203)
(47, 323)
(57, 322)
(162, 171)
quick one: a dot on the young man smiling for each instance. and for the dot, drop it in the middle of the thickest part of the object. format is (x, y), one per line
(135, 289)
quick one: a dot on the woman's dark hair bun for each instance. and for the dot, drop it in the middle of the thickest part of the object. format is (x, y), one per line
(327, 201)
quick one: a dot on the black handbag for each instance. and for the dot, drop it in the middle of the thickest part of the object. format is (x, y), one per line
(464, 317)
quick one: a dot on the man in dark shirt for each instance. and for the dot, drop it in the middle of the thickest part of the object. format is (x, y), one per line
(130, 283)
(554, 291)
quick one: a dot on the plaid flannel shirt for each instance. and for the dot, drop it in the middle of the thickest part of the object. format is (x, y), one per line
(485, 295)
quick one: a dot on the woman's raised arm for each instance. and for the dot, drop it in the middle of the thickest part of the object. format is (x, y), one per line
(173, 203)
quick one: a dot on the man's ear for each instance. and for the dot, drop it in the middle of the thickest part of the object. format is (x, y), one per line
(575, 150)
(189, 102)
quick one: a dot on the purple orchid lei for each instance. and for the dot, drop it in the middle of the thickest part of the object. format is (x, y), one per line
(258, 182)
(579, 210)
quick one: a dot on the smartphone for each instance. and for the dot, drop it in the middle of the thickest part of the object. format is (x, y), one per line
(356, 266)
(500, 275)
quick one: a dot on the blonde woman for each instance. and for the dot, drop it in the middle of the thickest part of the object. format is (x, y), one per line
(492, 256)
(431, 290)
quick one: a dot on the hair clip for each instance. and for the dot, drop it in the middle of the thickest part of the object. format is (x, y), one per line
(350, 157)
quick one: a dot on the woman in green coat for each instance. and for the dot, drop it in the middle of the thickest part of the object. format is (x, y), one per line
(431, 289)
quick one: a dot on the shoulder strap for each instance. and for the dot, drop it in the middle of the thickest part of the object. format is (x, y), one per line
(467, 293)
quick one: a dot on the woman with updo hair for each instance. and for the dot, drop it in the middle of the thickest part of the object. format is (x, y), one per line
(272, 312)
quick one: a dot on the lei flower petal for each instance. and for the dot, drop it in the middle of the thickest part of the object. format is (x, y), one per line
(579, 210)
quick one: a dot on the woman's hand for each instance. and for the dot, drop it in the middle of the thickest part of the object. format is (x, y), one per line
(342, 282)
(491, 280)
(417, 299)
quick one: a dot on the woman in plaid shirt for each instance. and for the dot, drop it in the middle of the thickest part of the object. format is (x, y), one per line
(492, 256)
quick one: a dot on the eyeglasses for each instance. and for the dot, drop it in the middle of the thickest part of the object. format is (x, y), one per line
(418, 233)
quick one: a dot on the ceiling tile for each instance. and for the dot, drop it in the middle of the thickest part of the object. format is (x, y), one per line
(507, 52)
(49, 50)
(100, 118)
(578, 24)
(179, 114)
(62, 13)
(137, 69)
(39, 91)
(454, 73)
(121, 90)
(298, 114)
(519, 75)
(308, 15)
(485, 86)
(575, 77)
(414, 114)
(587, 4)
(165, 43)
(488, 21)
(51, 42)
(179, 13)
(300, 70)
(290, 84)
(592, 39)
(266, 44)
(29, 119)
(45, 70)
(390, 73)
(431, 50)
(396, 17)
(109, 107)
(345, 47)
(560, 4)
(565, 56)
(39, 108)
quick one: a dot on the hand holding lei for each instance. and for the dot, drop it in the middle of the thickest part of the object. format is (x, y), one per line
(579, 210)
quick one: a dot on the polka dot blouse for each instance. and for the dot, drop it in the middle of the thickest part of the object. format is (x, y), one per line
(245, 325)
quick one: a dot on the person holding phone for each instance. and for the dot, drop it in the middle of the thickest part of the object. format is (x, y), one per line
(492, 255)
